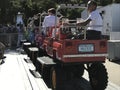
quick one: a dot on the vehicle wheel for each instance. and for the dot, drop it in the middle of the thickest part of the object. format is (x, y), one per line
(56, 78)
(45, 72)
(79, 71)
(98, 76)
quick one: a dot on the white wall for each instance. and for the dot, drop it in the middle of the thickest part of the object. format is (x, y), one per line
(116, 17)
(114, 35)
(107, 19)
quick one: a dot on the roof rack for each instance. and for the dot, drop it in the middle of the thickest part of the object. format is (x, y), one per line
(71, 6)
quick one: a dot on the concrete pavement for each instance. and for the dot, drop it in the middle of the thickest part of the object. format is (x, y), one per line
(113, 69)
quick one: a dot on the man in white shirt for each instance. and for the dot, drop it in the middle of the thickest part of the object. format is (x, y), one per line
(94, 21)
(50, 20)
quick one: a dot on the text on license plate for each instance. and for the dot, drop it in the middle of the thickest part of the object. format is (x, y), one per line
(86, 48)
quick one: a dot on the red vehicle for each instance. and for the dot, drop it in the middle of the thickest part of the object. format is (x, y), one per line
(68, 55)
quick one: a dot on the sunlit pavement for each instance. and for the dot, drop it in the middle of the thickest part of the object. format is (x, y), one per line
(113, 69)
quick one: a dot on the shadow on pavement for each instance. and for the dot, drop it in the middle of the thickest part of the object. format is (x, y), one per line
(116, 61)
(76, 84)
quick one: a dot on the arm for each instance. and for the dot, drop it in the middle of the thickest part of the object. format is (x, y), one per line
(84, 23)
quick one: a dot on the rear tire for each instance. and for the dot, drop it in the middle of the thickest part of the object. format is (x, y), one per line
(56, 78)
(98, 76)
(79, 71)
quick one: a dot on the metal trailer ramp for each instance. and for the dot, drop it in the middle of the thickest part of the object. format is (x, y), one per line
(15, 74)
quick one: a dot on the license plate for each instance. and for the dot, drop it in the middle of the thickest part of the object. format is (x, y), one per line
(86, 48)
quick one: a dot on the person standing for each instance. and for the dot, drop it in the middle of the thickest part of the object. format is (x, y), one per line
(20, 29)
(50, 20)
(2, 49)
(94, 22)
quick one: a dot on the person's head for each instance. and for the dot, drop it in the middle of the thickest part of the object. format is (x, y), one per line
(51, 11)
(91, 6)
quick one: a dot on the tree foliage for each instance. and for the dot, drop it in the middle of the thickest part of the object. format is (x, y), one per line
(9, 8)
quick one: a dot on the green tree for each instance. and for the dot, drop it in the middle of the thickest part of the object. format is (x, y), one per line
(116, 1)
(9, 8)
(3, 10)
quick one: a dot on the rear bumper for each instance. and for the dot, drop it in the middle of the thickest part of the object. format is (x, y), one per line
(84, 58)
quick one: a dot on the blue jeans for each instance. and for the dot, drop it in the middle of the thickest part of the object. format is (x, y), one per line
(20, 37)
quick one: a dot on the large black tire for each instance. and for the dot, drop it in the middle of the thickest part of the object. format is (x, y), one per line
(79, 71)
(45, 72)
(56, 78)
(98, 76)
